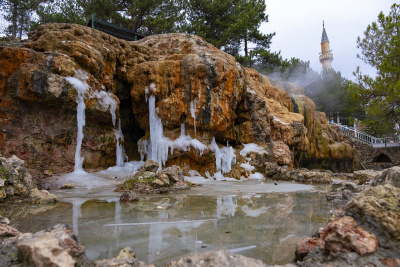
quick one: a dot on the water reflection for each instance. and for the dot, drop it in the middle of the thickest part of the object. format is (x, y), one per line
(163, 228)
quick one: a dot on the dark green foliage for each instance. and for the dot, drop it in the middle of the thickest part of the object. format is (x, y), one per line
(18, 13)
(147, 16)
(60, 11)
(380, 96)
(228, 23)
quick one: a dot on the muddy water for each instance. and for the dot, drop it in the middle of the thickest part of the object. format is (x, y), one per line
(252, 218)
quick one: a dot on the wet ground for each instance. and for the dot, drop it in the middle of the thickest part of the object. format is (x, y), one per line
(254, 218)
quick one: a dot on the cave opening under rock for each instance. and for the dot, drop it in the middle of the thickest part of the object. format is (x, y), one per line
(129, 125)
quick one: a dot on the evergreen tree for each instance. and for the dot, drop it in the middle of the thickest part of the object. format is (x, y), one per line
(251, 13)
(213, 20)
(228, 23)
(380, 96)
(18, 13)
(156, 16)
(146, 16)
(60, 11)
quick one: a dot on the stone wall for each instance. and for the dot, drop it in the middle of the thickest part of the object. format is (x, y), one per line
(378, 158)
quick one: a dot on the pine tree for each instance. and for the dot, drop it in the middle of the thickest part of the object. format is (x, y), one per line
(380, 96)
(18, 13)
(228, 23)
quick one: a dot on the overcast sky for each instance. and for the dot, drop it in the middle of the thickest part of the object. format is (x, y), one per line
(298, 27)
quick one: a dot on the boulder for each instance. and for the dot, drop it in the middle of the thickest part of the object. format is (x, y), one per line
(7, 231)
(128, 196)
(306, 246)
(300, 175)
(15, 180)
(158, 183)
(341, 196)
(216, 258)
(151, 165)
(343, 235)
(163, 177)
(4, 220)
(174, 173)
(378, 208)
(67, 186)
(42, 196)
(365, 176)
(388, 176)
(353, 235)
(168, 179)
(126, 257)
(57, 246)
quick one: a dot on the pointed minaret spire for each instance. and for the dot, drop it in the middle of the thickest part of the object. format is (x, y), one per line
(326, 56)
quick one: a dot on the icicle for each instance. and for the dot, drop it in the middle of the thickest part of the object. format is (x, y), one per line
(158, 147)
(81, 87)
(120, 152)
(214, 147)
(224, 158)
(193, 113)
(107, 102)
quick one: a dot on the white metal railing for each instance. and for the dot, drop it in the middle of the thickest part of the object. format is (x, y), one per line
(352, 133)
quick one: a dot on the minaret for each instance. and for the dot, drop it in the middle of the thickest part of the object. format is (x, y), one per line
(326, 56)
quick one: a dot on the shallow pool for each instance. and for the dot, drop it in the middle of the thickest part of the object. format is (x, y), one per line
(253, 218)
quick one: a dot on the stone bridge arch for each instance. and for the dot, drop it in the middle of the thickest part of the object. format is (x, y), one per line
(383, 156)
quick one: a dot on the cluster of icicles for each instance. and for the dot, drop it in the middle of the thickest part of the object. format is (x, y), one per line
(158, 147)
(106, 102)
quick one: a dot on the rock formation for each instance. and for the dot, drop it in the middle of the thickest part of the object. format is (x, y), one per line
(193, 84)
(366, 232)
(15, 180)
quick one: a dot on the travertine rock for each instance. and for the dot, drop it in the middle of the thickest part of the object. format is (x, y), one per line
(56, 247)
(42, 196)
(15, 180)
(151, 165)
(388, 176)
(216, 258)
(231, 103)
(125, 258)
(364, 176)
(7, 231)
(343, 235)
(128, 196)
(378, 207)
(354, 240)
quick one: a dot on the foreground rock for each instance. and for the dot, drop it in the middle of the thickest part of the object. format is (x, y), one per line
(128, 196)
(216, 258)
(145, 181)
(125, 258)
(275, 172)
(342, 195)
(57, 246)
(15, 180)
(388, 176)
(42, 196)
(379, 209)
(363, 180)
(365, 176)
(367, 232)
